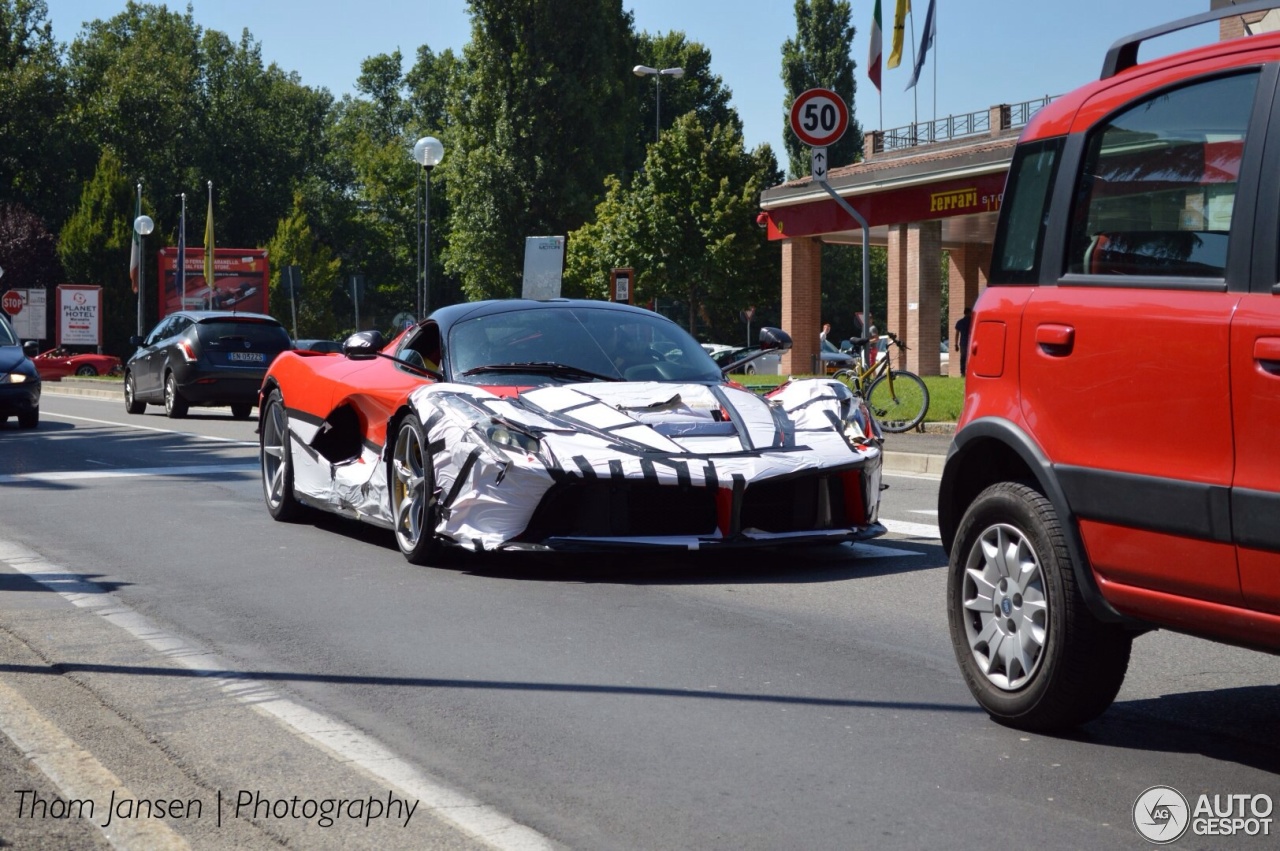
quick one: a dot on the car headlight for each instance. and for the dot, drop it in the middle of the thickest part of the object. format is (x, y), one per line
(15, 378)
(509, 438)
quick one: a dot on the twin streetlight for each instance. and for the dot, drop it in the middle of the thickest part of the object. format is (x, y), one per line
(646, 71)
(427, 152)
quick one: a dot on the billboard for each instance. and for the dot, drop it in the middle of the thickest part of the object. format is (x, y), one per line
(240, 281)
(543, 266)
(79, 308)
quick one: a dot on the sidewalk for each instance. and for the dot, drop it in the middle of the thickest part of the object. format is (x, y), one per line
(919, 453)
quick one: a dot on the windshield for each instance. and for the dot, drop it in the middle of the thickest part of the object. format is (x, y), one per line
(573, 344)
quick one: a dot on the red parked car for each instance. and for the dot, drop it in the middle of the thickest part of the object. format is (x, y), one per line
(59, 363)
(1115, 468)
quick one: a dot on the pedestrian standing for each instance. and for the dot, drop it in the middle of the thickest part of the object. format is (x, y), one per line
(962, 339)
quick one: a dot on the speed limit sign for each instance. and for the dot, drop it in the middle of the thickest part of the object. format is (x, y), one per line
(819, 117)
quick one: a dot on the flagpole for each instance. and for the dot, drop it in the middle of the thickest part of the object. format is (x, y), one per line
(915, 95)
(208, 250)
(935, 64)
(181, 278)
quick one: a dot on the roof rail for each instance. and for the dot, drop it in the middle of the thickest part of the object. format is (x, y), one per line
(1124, 53)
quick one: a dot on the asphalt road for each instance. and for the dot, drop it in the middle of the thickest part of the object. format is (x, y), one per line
(159, 619)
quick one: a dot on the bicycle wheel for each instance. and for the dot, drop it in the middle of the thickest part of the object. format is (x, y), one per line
(849, 379)
(898, 400)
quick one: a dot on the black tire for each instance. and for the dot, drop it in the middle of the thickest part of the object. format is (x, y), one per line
(1031, 652)
(241, 410)
(86, 370)
(132, 404)
(750, 369)
(900, 407)
(175, 407)
(29, 419)
(411, 486)
(275, 460)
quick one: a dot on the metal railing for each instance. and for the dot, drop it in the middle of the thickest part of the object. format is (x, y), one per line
(1004, 116)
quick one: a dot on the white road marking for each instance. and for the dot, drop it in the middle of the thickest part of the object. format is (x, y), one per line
(915, 530)
(932, 512)
(468, 814)
(85, 475)
(77, 774)
(232, 441)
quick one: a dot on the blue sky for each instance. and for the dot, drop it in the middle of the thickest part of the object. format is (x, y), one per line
(987, 51)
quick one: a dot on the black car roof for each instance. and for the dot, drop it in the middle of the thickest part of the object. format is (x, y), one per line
(454, 313)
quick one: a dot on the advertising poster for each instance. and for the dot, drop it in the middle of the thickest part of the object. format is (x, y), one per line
(543, 266)
(240, 281)
(79, 309)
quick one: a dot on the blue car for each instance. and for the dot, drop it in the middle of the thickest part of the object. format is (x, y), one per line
(19, 381)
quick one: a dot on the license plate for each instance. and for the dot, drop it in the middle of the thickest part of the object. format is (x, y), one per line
(247, 357)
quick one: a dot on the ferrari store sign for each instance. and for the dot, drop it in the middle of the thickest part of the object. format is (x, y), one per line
(79, 311)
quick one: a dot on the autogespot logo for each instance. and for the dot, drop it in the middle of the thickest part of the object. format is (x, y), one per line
(1160, 815)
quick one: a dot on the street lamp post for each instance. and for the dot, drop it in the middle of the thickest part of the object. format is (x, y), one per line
(427, 152)
(646, 71)
(142, 226)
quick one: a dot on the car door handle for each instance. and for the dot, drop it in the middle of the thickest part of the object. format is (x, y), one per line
(1266, 351)
(1055, 340)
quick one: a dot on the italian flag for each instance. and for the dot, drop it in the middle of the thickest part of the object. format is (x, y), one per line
(873, 56)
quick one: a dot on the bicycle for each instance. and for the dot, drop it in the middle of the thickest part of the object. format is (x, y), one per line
(898, 399)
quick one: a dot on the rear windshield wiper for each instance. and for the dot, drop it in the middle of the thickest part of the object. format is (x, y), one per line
(542, 366)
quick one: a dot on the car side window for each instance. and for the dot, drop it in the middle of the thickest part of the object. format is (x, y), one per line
(1158, 186)
(160, 331)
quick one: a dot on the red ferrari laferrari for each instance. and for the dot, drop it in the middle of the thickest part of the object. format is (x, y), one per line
(563, 425)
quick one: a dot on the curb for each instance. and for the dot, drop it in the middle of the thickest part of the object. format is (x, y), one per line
(918, 463)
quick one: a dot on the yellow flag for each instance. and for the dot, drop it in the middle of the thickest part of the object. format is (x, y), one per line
(208, 243)
(899, 22)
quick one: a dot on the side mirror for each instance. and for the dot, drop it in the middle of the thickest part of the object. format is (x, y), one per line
(31, 348)
(363, 345)
(774, 339)
(135, 340)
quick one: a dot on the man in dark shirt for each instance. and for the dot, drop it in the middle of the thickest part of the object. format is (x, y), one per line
(962, 339)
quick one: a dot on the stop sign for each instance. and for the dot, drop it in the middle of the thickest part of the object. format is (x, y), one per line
(12, 302)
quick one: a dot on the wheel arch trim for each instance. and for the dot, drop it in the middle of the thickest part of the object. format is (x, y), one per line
(961, 455)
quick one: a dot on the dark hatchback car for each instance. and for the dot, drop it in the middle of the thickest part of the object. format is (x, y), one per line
(19, 381)
(203, 358)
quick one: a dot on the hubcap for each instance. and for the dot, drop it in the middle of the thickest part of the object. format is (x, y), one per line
(274, 462)
(1006, 614)
(409, 488)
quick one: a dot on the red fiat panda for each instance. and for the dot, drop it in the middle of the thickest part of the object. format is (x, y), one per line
(1117, 462)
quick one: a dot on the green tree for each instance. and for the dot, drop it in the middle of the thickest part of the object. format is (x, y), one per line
(294, 244)
(538, 124)
(28, 253)
(36, 149)
(687, 226)
(94, 248)
(820, 57)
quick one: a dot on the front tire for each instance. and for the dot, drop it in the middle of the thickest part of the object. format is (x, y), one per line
(412, 489)
(29, 419)
(1032, 654)
(86, 370)
(276, 461)
(901, 406)
(132, 404)
(175, 407)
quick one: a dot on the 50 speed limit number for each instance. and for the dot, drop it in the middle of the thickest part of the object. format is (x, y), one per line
(819, 117)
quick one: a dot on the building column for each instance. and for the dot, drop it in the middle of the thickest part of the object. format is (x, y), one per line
(922, 330)
(801, 302)
(897, 267)
(967, 277)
